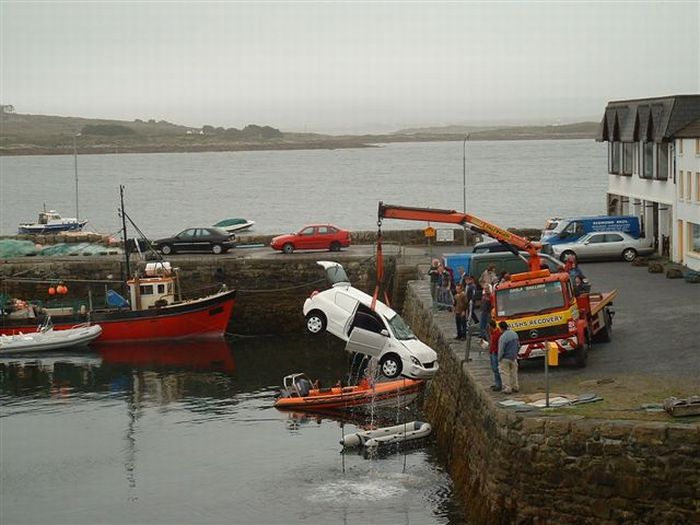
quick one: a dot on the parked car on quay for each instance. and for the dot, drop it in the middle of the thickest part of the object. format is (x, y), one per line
(313, 237)
(208, 239)
(604, 245)
(346, 313)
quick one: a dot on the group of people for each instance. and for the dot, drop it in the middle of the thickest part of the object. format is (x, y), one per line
(458, 294)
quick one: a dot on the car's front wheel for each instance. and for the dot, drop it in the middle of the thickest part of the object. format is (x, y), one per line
(390, 365)
(315, 322)
(166, 249)
(217, 249)
(565, 255)
(288, 248)
(629, 255)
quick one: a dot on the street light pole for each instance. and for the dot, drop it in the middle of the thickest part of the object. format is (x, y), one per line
(464, 183)
(75, 163)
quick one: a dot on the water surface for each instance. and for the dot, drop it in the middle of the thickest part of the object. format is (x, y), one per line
(186, 433)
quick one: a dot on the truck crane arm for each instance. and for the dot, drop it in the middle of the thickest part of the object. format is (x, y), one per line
(408, 213)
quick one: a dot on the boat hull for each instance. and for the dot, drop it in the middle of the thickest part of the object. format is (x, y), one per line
(51, 228)
(49, 340)
(206, 317)
(382, 394)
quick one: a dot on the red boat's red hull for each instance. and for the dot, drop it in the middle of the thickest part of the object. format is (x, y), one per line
(201, 318)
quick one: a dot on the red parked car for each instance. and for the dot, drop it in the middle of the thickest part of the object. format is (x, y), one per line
(313, 237)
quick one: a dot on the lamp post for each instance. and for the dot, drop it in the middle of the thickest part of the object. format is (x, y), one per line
(464, 184)
(75, 164)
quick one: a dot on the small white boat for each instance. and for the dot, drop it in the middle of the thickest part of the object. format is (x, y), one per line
(51, 222)
(234, 225)
(49, 339)
(387, 435)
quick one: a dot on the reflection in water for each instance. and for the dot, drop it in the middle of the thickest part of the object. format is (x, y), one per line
(128, 430)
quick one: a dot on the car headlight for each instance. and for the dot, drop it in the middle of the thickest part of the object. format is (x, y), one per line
(415, 361)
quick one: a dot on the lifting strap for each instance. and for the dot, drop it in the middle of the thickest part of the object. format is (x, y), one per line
(380, 269)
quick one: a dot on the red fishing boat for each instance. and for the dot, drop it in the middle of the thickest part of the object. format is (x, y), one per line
(154, 311)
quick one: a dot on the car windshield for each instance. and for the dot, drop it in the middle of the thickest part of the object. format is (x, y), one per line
(529, 299)
(400, 328)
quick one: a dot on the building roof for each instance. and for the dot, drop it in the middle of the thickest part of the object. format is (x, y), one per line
(649, 119)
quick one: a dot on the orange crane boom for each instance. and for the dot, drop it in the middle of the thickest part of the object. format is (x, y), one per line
(408, 213)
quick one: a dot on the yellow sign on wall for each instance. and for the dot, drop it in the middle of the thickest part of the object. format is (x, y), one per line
(429, 231)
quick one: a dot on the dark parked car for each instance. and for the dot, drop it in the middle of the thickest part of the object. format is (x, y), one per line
(213, 240)
(490, 247)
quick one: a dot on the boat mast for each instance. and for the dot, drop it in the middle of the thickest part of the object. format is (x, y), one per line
(124, 236)
(75, 163)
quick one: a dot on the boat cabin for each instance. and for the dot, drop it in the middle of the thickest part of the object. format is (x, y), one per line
(154, 290)
(47, 216)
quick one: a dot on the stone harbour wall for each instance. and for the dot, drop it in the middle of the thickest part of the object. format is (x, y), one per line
(270, 292)
(547, 469)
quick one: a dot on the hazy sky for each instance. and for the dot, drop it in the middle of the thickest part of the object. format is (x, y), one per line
(344, 66)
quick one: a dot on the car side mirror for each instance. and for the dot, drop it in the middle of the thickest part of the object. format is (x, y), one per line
(385, 332)
(587, 242)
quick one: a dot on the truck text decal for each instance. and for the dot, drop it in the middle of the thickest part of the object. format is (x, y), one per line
(536, 322)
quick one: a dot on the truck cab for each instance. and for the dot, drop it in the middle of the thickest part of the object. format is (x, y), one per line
(541, 306)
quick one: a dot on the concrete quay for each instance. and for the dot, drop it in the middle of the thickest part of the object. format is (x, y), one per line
(609, 462)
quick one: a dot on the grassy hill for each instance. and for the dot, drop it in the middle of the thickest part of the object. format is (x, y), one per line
(45, 135)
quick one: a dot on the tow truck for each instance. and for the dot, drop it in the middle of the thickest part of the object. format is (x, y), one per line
(540, 306)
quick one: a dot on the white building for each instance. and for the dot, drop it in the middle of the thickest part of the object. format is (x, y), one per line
(654, 170)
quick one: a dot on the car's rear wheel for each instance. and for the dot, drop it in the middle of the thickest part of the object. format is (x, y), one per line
(335, 246)
(390, 365)
(315, 322)
(629, 254)
(217, 249)
(288, 248)
(565, 255)
(166, 249)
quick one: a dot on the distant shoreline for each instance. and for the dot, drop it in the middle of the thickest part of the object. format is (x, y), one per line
(325, 144)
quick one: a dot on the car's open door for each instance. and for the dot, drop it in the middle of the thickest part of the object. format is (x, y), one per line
(366, 342)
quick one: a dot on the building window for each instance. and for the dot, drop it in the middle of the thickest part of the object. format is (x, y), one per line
(614, 157)
(697, 186)
(662, 161)
(161, 288)
(689, 186)
(680, 146)
(694, 237)
(680, 185)
(627, 156)
(146, 290)
(697, 146)
(635, 155)
(647, 171)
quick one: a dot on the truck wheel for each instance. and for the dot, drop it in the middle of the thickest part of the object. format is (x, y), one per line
(604, 335)
(581, 353)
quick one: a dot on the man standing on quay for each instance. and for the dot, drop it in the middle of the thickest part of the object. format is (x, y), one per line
(508, 348)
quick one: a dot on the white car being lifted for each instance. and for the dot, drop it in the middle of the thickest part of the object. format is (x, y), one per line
(346, 313)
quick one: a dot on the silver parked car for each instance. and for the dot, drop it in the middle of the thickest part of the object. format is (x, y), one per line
(604, 245)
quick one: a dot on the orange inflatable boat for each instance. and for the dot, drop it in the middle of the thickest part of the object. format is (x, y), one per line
(298, 393)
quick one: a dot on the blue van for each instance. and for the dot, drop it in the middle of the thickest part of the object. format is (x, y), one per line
(559, 230)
